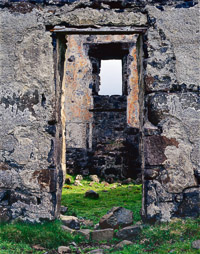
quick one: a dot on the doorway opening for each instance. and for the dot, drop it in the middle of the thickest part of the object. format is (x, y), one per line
(101, 137)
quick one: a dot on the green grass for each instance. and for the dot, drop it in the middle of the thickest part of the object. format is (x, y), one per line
(174, 237)
(19, 237)
(128, 196)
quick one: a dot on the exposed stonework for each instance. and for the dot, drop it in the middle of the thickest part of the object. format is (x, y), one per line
(39, 76)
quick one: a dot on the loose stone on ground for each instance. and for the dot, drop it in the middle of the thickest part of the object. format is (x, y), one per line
(70, 221)
(129, 233)
(64, 249)
(122, 244)
(116, 217)
(102, 234)
(196, 244)
(91, 194)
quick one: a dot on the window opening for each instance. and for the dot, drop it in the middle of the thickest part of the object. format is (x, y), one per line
(111, 77)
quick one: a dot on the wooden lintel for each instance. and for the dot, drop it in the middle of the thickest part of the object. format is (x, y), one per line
(99, 30)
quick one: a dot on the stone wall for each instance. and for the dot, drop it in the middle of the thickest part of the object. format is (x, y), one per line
(115, 146)
(33, 103)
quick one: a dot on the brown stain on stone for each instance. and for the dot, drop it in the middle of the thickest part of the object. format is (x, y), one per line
(154, 148)
(78, 101)
(4, 166)
(148, 82)
(22, 7)
(46, 178)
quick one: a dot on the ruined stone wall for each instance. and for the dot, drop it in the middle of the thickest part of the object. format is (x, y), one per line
(32, 115)
(96, 135)
(115, 152)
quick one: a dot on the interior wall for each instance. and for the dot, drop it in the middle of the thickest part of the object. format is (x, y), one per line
(98, 128)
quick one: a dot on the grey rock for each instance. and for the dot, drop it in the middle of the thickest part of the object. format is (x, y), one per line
(70, 221)
(102, 234)
(79, 177)
(86, 223)
(63, 209)
(68, 180)
(91, 194)
(129, 233)
(116, 217)
(196, 244)
(94, 178)
(122, 244)
(127, 181)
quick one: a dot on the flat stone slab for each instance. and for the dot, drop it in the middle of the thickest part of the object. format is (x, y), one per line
(129, 233)
(85, 233)
(102, 234)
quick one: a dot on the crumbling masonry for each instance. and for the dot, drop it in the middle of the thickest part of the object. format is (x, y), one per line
(53, 119)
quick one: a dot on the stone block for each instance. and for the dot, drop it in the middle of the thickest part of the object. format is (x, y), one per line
(85, 233)
(129, 233)
(102, 234)
(117, 217)
(154, 149)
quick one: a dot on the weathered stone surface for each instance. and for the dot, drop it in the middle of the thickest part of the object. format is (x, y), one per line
(70, 221)
(80, 17)
(116, 217)
(189, 204)
(154, 147)
(150, 174)
(178, 115)
(179, 45)
(102, 234)
(122, 244)
(91, 194)
(129, 233)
